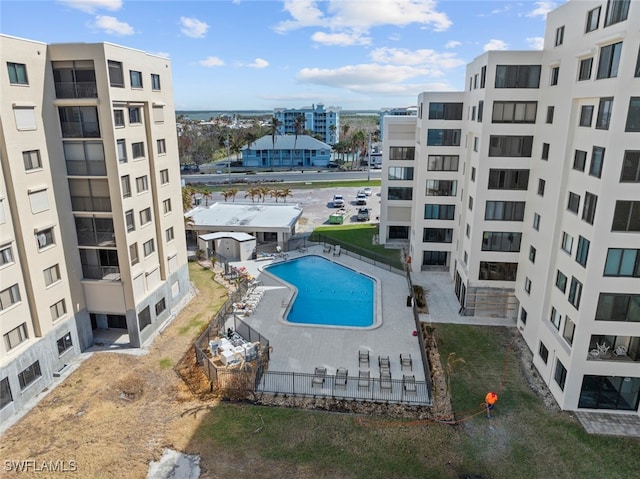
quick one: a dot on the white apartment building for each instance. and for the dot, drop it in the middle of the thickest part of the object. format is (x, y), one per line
(91, 225)
(525, 188)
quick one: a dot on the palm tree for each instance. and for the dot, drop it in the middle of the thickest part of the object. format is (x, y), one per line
(298, 126)
(252, 193)
(274, 194)
(207, 196)
(264, 191)
(274, 129)
(332, 129)
(187, 198)
(284, 193)
(233, 192)
(226, 194)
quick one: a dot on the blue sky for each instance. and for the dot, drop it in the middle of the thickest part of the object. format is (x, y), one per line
(265, 54)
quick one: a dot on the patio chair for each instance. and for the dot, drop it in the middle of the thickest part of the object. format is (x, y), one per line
(409, 383)
(363, 379)
(337, 250)
(341, 377)
(383, 363)
(406, 362)
(363, 358)
(319, 377)
(385, 380)
(327, 248)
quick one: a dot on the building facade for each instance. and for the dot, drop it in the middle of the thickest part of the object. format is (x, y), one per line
(91, 224)
(286, 151)
(526, 189)
(320, 123)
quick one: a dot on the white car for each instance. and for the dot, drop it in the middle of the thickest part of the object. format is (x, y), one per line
(338, 201)
(367, 191)
(361, 198)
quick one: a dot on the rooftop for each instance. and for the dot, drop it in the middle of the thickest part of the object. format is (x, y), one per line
(245, 215)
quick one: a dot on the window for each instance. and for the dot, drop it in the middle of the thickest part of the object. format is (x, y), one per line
(622, 262)
(148, 247)
(471, 202)
(609, 392)
(116, 76)
(480, 110)
(441, 188)
(118, 118)
(136, 79)
(166, 206)
(5, 393)
(31, 160)
(134, 115)
(400, 173)
(400, 193)
(443, 137)
(122, 151)
(559, 36)
(162, 147)
(445, 111)
(593, 19)
(64, 343)
(545, 151)
(144, 318)
(402, 153)
(498, 271)
(617, 11)
(527, 285)
(501, 241)
(29, 375)
(582, 252)
(589, 208)
(523, 315)
(586, 115)
(543, 352)
(51, 275)
(473, 113)
(508, 179)
(584, 71)
(517, 76)
(573, 204)
(514, 111)
(626, 216)
(398, 232)
(541, 185)
(169, 234)
(609, 61)
(473, 173)
(6, 255)
(504, 210)
(16, 336)
(439, 212)
(434, 258)
(597, 158)
(137, 150)
(142, 184)
(579, 160)
(38, 200)
(637, 71)
(575, 292)
(58, 309)
(25, 118)
(567, 243)
(17, 73)
(130, 221)
(569, 330)
(630, 167)
(160, 307)
(618, 307)
(164, 177)
(45, 238)
(133, 253)
(561, 281)
(555, 74)
(126, 186)
(155, 81)
(536, 221)
(532, 254)
(483, 76)
(510, 145)
(633, 114)
(437, 235)
(604, 113)
(79, 121)
(145, 216)
(556, 318)
(560, 376)
(468, 231)
(550, 112)
(442, 162)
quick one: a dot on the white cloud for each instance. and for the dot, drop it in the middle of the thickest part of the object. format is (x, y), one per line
(542, 8)
(452, 44)
(257, 63)
(340, 39)
(192, 27)
(536, 43)
(90, 6)
(112, 25)
(211, 62)
(426, 58)
(494, 44)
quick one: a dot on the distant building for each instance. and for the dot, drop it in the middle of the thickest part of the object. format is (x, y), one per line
(322, 123)
(407, 111)
(286, 151)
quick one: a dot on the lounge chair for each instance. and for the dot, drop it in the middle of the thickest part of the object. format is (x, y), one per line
(337, 250)
(385, 380)
(409, 383)
(363, 358)
(363, 379)
(406, 362)
(341, 377)
(319, 377)
(383, 363)
(327, 248)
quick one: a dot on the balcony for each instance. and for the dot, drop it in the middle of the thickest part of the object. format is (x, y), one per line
(109, 273)
(614, 348)
(91, 203)
(100, 264)
(76, 90)
(86, 168)
(95, 232)
(80, 129)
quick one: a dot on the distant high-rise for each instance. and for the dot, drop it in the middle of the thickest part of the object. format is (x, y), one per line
(318, 122)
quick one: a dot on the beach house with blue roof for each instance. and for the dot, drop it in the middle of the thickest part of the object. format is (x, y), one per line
(286, 151)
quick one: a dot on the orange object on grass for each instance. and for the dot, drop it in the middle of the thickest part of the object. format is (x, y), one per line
(491, 398)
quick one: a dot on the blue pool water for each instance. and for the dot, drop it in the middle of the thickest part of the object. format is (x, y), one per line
(328, 293)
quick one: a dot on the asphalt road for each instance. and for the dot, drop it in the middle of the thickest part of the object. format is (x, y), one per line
(287, 176)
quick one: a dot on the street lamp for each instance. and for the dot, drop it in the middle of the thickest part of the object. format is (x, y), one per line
(227, 144)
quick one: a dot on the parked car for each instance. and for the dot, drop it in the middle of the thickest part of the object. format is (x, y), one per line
(367, 191)
(338, 201)
(363, 214)
(361, 198)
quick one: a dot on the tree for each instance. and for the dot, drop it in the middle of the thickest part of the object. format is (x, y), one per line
(226, 194)
(187, 198)
(274, 194)
(234, 192)
(284, 193)
(332, 129)
(274, 130)
(252, 193)
(264, 191)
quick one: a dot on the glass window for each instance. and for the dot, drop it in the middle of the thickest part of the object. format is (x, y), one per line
(523, 315)
(439, 212)
(626, 216)
(145, 216)
(400, 193)
(142, 184)
(51, 275)
(6, 255)
(29, 375)
(622, 262)
(586, 115)
(445, 111)
(398, 232)
(560, 375)
(136, 79)
(155, 81)
(400, 173)
(517, 76)
(130, 220)
(573, 204)
(508, 179)
(443, 162)
(162, 147)
(584, 71)
(135, 115)
(597, 158)
(437, 235)
(116, 76)
(133, 253)
(45, 238)
(510, 145)
(559, 36)
(122, 151)
(543, 352)
(532, 254)
(164, 177)
(556, 318)
(633, 114)
(498, 271)
(501, 241)
(582, 252)
(31, 160)
(169, 234)
(618, 307)
(504, 210)
(604, 113)
(569, 330)
(609, 61)
(5, 393)
(536, 221)
(567, 242)
(160, 307)
(589, 208)
(17, 73)
(555, 74)
(64, 343)
(514, 112)
(118, 117)
(148, 247)
(550, 112)
(593, 19)
(16, 336)
(443, 137)
(58, 310)
(617, 11)
(630, 167)
(402, 153)
(575, 292)
(561, 281)
(545, 151)
(441, 188)
(166, 205)
(579, 160)
(138, 150)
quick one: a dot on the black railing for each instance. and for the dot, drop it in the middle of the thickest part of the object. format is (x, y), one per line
(111, 273)
(76, 90)
(80, 129)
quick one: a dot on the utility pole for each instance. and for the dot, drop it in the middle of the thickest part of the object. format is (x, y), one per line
(369, 159)
(228, 145)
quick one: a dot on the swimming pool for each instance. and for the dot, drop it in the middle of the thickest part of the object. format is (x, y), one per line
(328, 294)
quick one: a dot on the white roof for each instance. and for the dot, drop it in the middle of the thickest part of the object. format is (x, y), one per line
(227, 234)
(245, 216)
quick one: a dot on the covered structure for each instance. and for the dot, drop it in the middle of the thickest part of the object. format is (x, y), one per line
(232, 246)
(286, 151)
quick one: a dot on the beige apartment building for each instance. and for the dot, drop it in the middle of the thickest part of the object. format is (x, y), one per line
(525, 188)
(91, 225)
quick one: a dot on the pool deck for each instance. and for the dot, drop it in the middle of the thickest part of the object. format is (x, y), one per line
(302, 348)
